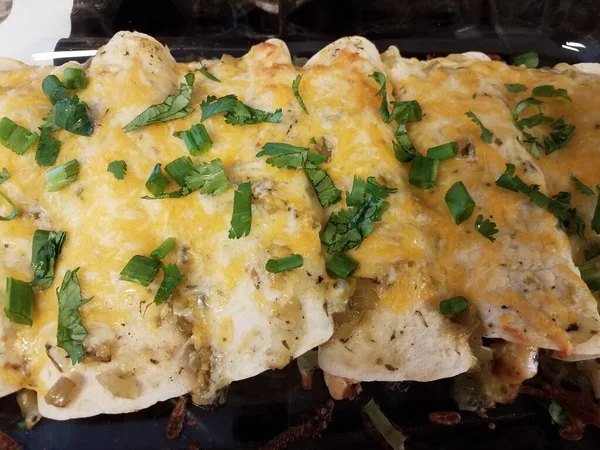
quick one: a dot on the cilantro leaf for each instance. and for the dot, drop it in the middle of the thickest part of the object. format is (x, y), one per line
(71, 331)
(529, 59)
(560, 135)
(347, 228)
(71, 114)
(407, 111)
(46, 247)
(208, 177)
(383, 109)
(529, 101)
(326, 191)
(514, 88)
(284, 155)
(174, 107)
(486, 135)
(47, 148)
(403, 147)
(486, 227)
(596, 218)
(533, 150)
(236, 112)
(580, 186)
(548, 90)
(118, 169)
(296, 91)
(241, 219)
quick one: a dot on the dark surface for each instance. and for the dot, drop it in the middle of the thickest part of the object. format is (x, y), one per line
(260, 408)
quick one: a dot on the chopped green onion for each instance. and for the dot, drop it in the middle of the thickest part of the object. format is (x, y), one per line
(71, 332)
(74, 78)
(529, 59)
(547, 90)
(174, 107)
(62, 175)
(323, 185)
(241, 219)
(486, 135)
(204, 71)
(486, 227)
(423, 172)
(4, 175)
(236, 112)
(558, 414)
(72, 115)
(15, 137)
(157, 182)
(514, 88)
(474, 96)
(118, 169)
(596, 218)
(196, 139)
(342, 265)
(141, 270)
(169, 283)
(580, 186)
(459, 202)
(454, 305)
(46, 247)
(179, 169)
(209, 177)
(18, 305)
(378, 190)
(284, 264)
(54, 89)
(383, 109)
(284, 155)
(296, 90)
(443, 152)
(47, 148)
(390, 433)
(163, 249)
(14, 212)
(560, 135)
(590, 273)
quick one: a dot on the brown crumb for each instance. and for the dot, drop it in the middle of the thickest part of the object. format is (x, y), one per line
(191, 422)
(175, 424)
(445, 417)
(492, 426)
(481, 413)
(194, 446)
(7, 443)
(309, 429)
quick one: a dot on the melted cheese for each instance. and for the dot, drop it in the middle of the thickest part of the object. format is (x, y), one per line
(244, 320)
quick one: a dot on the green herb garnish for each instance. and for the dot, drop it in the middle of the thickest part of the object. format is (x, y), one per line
(486, 227)
(459, 202)
(443, 152)
(53, 89)
(547, 90)
(514, 88)
(236, 112)
(295, 89)
(163, 249)
(15, 137)
(323, 185)
(284, 264)
(590, 273)
(196, 139)
(71, 332)
(560, 135)
(580, 186)
(18, 304)
(241, 219)
(204, 71)
(46, 248)
(62, 175)
(74, 78)
(141, 270)
(383, 109)
(171, 280)
(423, 172)
(174, 107)
(486, 135)
(529, 59)
(342, 265)
(4, 175)
(453, 306)
(14, 212)
(118, 169)
(47, 148)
